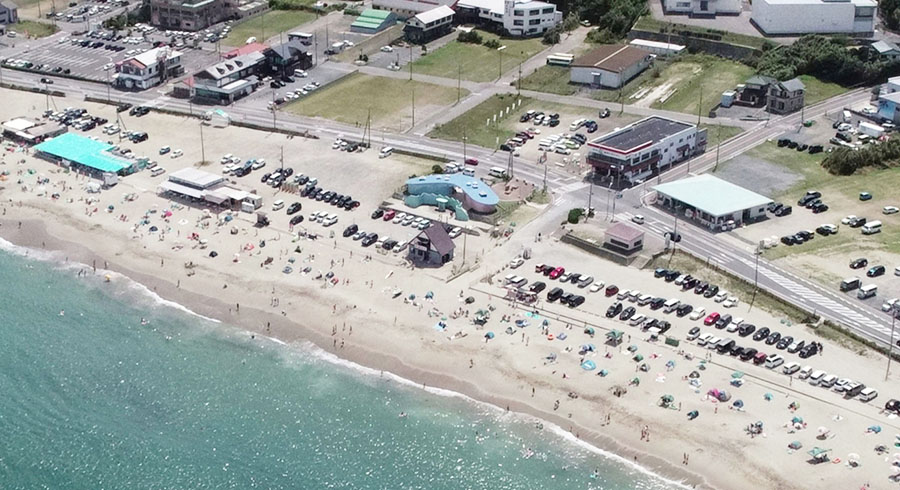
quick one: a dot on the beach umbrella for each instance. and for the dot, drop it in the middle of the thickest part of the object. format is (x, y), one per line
(429, 295)
(603, 372)
(737, 375)
(768, 397)
(213, 253)
(694, 375)
(822, 430)
(588, 365)
(638, 358)
(551, 357)
(153, 229)
(562, 336)
(670, 364)
(738, 404)
(489, 335)
(795, 445)
(853, 458)
(588, 330)
(693, 414)
(797, 420)
(874, 428)
(632, 348)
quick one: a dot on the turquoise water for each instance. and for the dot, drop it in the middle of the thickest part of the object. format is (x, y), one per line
(93, 399)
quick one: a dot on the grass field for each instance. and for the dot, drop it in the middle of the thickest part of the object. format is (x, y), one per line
(267, 25)
(33, 29)
(716, 134)
(550, 79)
(477, 62)
(817, 90)
(472, 123)
(648, 23)
(351, 99)
(700, 75)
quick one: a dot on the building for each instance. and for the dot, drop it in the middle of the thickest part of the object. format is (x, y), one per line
(886, 49)
(797, 17)
(225, 81)
(623, 239)
(148, 69)
(754, 92)
(643, 148)
(372, 21)
(194, 15)
(433, 247)
(84, 154)
(445, 190)
(512, 17)
(429, 25)
(198, 186)
(246, 49)
(711, 202)
(9, 12)
(785, 97)
(657, 48)
(888, 105)
(284, 57)
(409, 8)
(609, 66)
(702, 8)
(30, 132)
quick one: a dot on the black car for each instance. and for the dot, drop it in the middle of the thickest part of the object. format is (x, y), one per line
(805, 235)
(711, 291)
(819, 208)
(813, 203)
(627, 313)
(797, 348)
(808, 350)
(857, 222)
(663, 326)
(761, 334)
(604, 113)
(574, 277)
(575, 301)
(784, 343)
(389, 244)
(297, 219)
(784, 211)
(306, 190)
(301, 179)
(674, 236)
(683, 310)
(789, 240)
(701, 287)
(123, 107)
(46, 81)
(614, 309)
(266, 176)
(748, 354)
(657, 303)
(554, 123)
(773, 338)
(672, 275)
(690, 283)
(809, 197)
(736, 350)
(723, 321)
(294, 207)
(537, 287)
(660, 272)
(369, 239)
(875, 271)
(351, 205)
(772, 206)
(859, 263)
(554, 294)
(377, 213)
(351, 230)
(287, 79)
(746, 329)
(824, 230)
(726, 347)
(566, 297)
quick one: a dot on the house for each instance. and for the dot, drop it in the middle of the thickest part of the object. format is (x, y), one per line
(433, 247)
(511, 17)
(610, 66)
(406, 9)
(372, 21)
(287, 56)
(9, 13)
(798, 17)
(785, 97)
(754, 91)
(886, 49)
(623, 239)
(429, 25)
(226, 81)
(702, 8)
(888, 107)
(148, 69)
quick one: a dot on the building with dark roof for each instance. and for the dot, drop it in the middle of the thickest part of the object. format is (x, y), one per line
(610, 66)
(9, 12)
(288, 55)
(433, 247)
(785, 97)
(644, 148)
(226, 81)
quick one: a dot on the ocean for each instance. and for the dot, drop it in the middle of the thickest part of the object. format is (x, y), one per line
(92, 398)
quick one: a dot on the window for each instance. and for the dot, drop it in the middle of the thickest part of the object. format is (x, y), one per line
(534, 22)
(683, 4)
(534, 12)
(518, 13)
(518, 22)
(548, 10)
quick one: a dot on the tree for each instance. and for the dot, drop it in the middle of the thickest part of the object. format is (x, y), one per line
(551, 36)
(575, 215)
(469, 37)
(437, 169)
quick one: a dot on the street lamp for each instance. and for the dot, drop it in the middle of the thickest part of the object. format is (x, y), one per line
(895, 309)
(500, 64)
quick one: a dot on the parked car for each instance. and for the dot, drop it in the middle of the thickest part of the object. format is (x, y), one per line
(859, 263)
(876, 271)
(612, 289)
(614, 309)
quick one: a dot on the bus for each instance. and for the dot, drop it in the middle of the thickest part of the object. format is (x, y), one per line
(305, 38)
(497, 172)
(560, 59)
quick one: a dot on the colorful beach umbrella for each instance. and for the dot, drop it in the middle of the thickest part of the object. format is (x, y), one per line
(588, 365)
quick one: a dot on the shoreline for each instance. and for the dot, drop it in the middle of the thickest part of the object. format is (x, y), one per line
(34, 236)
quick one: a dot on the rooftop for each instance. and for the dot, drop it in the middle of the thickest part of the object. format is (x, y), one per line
(893, 97)
(712, 195)
(439, 239)
(858, 3)
(612, 57)
(656, 44)
(793, 85)
(640, 134)
(151, 56)
(88, 152)
(884, 46)
(477, 190)
(246, 49)
(195, 177)
(372, 19)
(412, 5)
(434, 14)
(497, 6)
(624, 232)
(236, 64)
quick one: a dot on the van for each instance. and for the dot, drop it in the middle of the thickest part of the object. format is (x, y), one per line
(385, 152)
(871, 228)
(828, 381)
(805, 372)
(645, 299)
(703, 339)
(845, 116)
(576, 124)
(816, 377)
(451, 168)
(670, 305)
(867, 394)
(790, 368)
(724, 346)
(277, 205)
(713, 342)
(468, 172)
(637, 320)
(157, 171)
(497, 172)
(774, 361)
(850, 284)
(867, 291)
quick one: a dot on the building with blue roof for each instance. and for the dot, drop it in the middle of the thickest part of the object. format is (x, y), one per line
(81, 153)
(470, 192)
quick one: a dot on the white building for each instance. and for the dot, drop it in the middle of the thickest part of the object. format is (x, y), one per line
(148, 69)
(703, 8)
(409, 8)
(610, 66)
(517, 17)
(796, 17)
(656, 47)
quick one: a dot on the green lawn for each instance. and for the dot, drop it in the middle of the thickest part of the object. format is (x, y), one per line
(33, 29)
(696, 76)
(648, 23)
(477, 62)
(551, 79)
(716, 134)
(817, 90)
(267, 25)
(388, 100)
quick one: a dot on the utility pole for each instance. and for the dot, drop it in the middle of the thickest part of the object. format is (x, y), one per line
(519, 83)
(458, 81)
(410, 62)
(590, 192)
(465, 240)
(718, 144)
(316, 46)
(107, 86)
(756, 267)
(464, 146)
(500, 64)
(413, 92)
(282, 159)
(273, 109)
(700, 105)
(202, 146)
(545, 170)
(894, 310)
(509, 166)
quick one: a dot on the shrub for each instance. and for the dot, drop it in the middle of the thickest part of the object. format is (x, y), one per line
(551, 37)
(470, 37)
(437, 169)
(492, 44)
(575, 215)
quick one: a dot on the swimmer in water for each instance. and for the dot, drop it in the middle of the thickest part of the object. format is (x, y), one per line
(144, 321)
(62, 312)
(402, 415)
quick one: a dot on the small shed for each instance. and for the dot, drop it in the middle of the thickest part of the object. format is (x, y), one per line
(623, 239)
(372, 21)
(433, 247)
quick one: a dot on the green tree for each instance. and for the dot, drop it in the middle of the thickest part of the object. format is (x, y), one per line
(575, 215)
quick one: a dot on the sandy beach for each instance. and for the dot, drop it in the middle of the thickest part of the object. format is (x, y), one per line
(361, 317)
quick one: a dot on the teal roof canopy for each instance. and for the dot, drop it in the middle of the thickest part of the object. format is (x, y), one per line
(712, 195)
(85, 151)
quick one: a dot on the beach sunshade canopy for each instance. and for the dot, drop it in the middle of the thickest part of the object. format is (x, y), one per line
(588, 365)
(638, 358)
(768, 397)
(694, 374)
(737, 375)
(589, 330)
(853, 457)
(797, 420)
(489, 335)
(818, 452)
(603, 372)
(795, 445)
(614, 335)
(551, 356)
(632, 348)
(667, 399)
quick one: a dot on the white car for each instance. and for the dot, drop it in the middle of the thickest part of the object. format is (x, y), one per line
(455, 232)
(387, 49)
(830, 228)
(516, 263)
(888, 305)
(330, 220)
(226, 159)
(869, 110)
(722, 296)
(258, 164)
(597, 286)
(697, 313)
(638, 219)
(731, 302)
(177, 153)
(848, 219)
(890, 209)
(108, 66)
(408, 221)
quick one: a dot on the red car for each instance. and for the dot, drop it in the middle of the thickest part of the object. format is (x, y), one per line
(471, 161)
(557, 272)
(612, 289)
(389, 215)
(711, 319)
